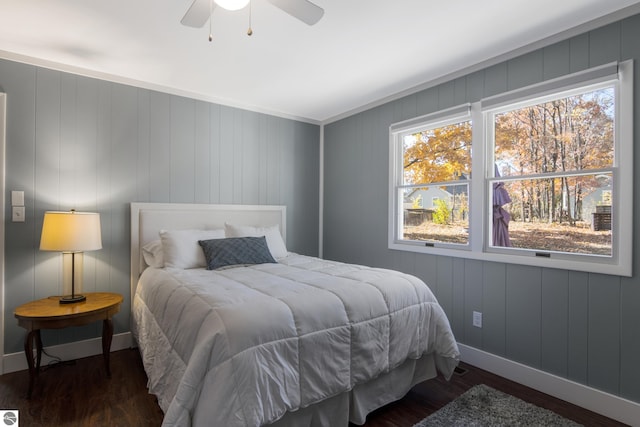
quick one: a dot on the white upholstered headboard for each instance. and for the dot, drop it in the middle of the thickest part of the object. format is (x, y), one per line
(147, 219)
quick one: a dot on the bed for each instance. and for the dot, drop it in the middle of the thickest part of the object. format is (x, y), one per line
(270, 337)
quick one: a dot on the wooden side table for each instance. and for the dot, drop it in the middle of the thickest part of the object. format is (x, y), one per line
(48, 313)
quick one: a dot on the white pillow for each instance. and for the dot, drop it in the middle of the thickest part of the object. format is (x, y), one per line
(181, 249)
(275, 242)
(152, 254)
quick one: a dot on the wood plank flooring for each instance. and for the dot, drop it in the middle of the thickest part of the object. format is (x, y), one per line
(80, 395)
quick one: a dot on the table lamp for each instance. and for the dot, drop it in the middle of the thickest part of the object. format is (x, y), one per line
(71, 233)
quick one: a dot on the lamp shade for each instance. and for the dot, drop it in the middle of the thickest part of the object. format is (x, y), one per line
(71, 232)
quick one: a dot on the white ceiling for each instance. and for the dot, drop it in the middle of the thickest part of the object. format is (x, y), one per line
(361, 51)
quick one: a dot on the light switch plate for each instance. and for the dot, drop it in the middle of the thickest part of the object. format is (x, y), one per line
(17, 214)
(17, 198)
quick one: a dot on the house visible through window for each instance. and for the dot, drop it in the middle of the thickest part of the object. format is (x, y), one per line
(551, 179)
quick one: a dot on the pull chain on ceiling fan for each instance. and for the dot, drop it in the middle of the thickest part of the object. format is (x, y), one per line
(201, 10)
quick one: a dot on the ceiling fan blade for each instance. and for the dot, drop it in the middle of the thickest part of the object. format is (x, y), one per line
(304, 10)
(198, 14)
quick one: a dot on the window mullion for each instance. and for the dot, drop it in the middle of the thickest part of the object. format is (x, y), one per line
(478, 192)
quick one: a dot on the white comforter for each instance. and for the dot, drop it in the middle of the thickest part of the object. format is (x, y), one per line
(242, 346)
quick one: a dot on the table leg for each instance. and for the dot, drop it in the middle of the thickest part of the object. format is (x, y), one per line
(38, 351)
(34, 365)
(107, 334)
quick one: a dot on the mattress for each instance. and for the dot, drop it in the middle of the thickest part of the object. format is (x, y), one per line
(247, 346)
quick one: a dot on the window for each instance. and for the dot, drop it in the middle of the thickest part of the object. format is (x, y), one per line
(538, 176)
(432, 197)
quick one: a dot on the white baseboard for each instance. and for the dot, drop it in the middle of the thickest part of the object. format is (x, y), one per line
(76, 350)
(609, 405)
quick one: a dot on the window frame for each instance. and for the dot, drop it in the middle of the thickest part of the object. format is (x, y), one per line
(398, 131)
(480, 215)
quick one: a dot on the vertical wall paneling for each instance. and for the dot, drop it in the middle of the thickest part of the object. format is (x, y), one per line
(215, 148)
(86, 145)
(354, 183)
(143, 160)
(406, 262)
(182, 150)
(446, 96)
(160, 139)
(47, 183)
(286, 179)
(630, 339)
(201, 153)
(578, 327)
(375, 192)
(227, 151)
(251, 159)
(77, 142)
(18, 81)
(494, 305)
(524, 70)
(556, 60)
(330, 215)
(235, 178)
(103, 188)
(426, 101)
(630, 33)
(427, 270)
(444, 283)
(272, 163)
(604, 332)
(472, 301)
(605, 45)
(579, 53)
(263, 150)
(495, 80)
(337, 214)
(77, 153)
(460, 91)
(407, 107)
(475, 86)
(523, 309)
(630, 289)
(572, 324)
(457, 315)
(307, 204)
(70, 156)
(122, 176)
(554, 321)
(371, 160)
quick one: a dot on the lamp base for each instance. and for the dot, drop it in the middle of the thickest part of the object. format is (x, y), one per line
(71, 299)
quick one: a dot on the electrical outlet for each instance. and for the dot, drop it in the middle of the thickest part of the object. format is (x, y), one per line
(477, 319)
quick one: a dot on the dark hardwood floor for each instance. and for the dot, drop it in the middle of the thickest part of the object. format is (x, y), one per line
(81, 395)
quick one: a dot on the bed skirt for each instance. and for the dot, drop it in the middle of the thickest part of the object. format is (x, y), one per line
(354, 406)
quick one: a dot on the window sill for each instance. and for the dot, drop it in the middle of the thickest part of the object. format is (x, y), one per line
(587, 263)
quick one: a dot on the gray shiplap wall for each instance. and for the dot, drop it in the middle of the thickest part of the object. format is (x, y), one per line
(78, 142)
(580, 326)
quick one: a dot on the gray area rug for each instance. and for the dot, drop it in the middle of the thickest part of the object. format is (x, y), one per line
(482, 406)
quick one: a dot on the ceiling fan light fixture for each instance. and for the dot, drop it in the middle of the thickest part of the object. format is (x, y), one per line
(232, 4)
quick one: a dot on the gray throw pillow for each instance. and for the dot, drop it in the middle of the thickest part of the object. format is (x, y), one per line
(221, 253)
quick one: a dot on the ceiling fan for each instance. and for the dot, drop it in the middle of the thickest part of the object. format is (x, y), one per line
(200, 10)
